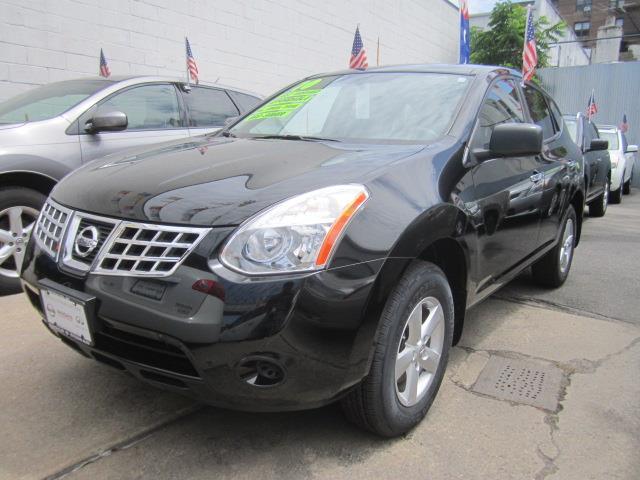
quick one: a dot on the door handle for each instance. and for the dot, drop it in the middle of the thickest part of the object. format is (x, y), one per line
(537, 177)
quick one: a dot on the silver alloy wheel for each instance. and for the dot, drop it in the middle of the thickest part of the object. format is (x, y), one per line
(419, 351)
(16, 224)
(566, 250)
(605, 196)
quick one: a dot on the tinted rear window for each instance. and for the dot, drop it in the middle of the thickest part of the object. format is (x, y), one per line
(245, 102)
(209, 107)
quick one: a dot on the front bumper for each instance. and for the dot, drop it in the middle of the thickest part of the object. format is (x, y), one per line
(313, 328)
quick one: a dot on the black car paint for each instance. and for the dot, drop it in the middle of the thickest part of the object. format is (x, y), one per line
(480, 224)
(597, 164)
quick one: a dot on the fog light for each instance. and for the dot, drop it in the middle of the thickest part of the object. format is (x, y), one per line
(261, 371)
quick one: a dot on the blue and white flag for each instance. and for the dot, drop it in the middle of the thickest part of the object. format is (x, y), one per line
(465, 34)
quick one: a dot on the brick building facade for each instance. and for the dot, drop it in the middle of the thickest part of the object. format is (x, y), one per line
(586, 16)
(258, 45)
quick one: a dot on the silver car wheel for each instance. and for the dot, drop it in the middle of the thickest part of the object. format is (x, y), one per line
(419, 351)
(566, 250)
(16, 224)
(605, 196)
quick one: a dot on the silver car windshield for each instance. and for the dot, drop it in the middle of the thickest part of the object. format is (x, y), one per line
(612, 137)
(368, 107)
(48, 101)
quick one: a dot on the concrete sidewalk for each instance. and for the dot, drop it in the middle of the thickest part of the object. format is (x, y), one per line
(63, 415)
(59, 409)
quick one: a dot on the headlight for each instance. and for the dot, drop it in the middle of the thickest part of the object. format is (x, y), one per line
(296, 235)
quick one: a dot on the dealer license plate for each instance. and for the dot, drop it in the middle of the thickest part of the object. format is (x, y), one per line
(66, 316)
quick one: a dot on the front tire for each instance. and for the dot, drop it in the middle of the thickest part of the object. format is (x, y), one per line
(410, 354)
(19, 208)
(598, 207)
(626, 188)
(552, 270)
(616, 197)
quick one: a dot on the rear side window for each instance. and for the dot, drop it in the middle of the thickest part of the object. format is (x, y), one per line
(540, 112)
(502, 105)
(208, 107)
(245, 102)
(149, 107)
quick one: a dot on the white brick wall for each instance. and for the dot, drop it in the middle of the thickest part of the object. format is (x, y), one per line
(259, 45)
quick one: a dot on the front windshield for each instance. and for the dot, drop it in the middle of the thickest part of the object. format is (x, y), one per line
(370, 107)
(612, 137)
(48, 101)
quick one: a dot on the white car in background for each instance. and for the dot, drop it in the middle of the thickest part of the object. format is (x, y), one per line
(622, 160)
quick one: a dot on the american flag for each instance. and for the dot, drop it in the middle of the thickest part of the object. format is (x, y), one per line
(104, 68)
(465, 40)
(529, 53)
(592, 108)
(192, 67)
(358, 58)
(624, 126)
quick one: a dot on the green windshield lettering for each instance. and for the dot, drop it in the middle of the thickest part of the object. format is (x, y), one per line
(288, 102)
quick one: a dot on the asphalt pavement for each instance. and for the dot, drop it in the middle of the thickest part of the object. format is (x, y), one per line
(604, 276)
(64, 416)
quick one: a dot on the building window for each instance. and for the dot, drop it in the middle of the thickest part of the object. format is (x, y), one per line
(614, 4)
(582, 29)
(583, 6)
(619, 22)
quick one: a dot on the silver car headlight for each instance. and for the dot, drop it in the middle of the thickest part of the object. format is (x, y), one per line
(296, 235)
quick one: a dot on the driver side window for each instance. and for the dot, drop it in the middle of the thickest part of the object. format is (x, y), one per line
(502, 105)
(148, 107)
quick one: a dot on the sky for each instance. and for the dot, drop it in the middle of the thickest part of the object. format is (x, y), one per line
(480, 6)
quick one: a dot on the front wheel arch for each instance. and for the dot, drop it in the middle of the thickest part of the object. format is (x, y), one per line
(26, 179)
(577, 200)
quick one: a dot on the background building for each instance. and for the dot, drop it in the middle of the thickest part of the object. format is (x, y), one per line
(259, 45)
(588, 17)
(567, 53)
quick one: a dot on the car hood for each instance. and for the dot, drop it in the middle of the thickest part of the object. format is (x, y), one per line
(217, 181)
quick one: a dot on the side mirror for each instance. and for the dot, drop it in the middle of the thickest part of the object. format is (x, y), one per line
(598, 144)
(512, 140)
(632, 148)
(230, 120)
(106, 122)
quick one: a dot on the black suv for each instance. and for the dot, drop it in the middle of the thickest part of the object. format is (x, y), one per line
(324, 247)
(596, 162)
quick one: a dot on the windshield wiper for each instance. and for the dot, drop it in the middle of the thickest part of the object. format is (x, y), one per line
(304, 138)
(228, 134)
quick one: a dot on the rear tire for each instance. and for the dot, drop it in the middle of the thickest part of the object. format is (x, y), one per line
(626, 187)
(598, 207)
(28, 203)
(385, 402)
(553, 269)
(616, 197)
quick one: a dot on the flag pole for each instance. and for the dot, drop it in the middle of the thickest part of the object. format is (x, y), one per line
(378, 53)
(186, 62)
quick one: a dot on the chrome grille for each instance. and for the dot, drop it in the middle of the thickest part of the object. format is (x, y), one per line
(51, 226)
(104, 230)
(147, 250)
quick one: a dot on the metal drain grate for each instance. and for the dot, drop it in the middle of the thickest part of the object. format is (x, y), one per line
(520, 381)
